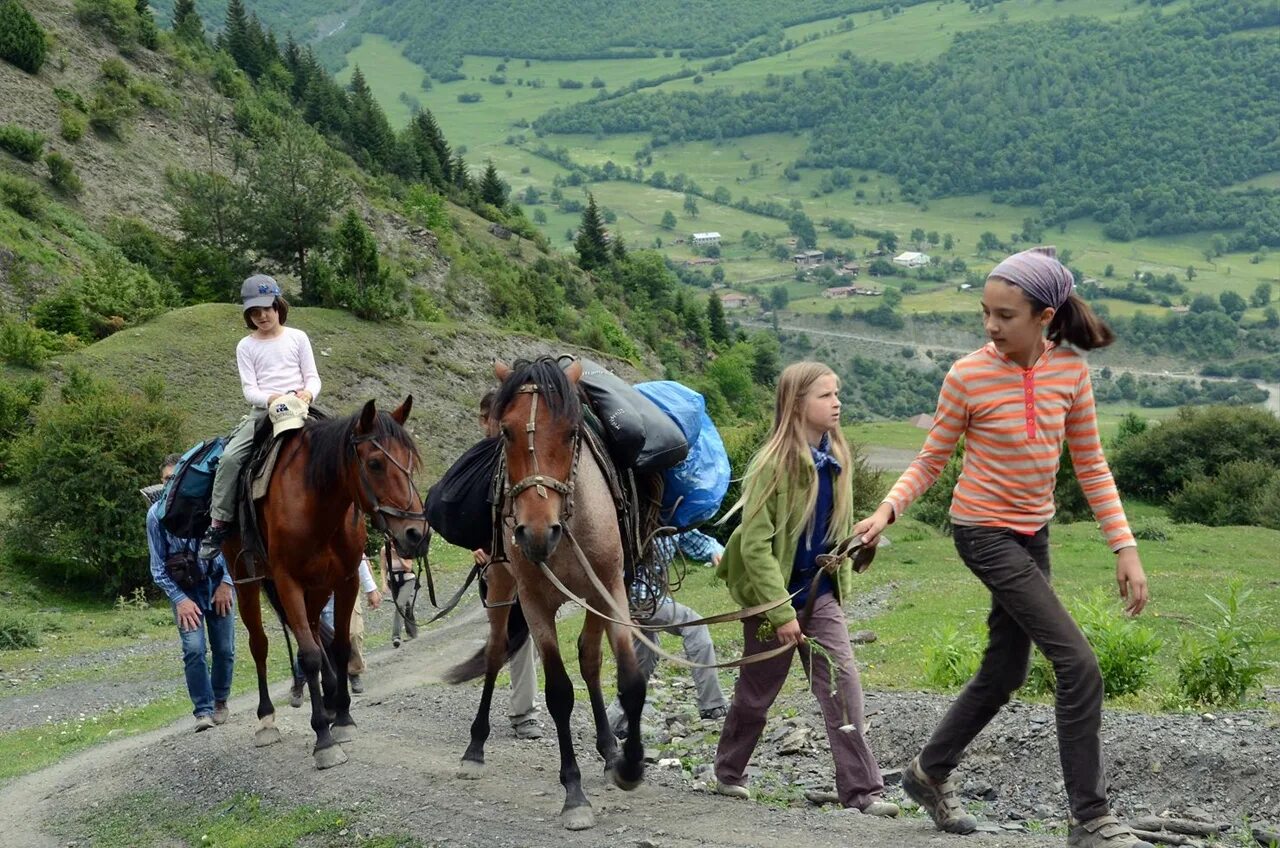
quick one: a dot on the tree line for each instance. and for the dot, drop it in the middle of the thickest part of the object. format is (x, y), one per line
(1142, 125)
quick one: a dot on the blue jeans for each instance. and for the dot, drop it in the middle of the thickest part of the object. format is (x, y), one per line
(203, 686)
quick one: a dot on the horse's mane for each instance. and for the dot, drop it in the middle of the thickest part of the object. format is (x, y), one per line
(332, 448)
(558, 394)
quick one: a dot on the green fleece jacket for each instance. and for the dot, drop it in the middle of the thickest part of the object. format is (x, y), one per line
(761, 553)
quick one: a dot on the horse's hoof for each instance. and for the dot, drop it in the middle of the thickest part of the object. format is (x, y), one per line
(578, 818)
(343, 733)
(329, 757)
(265, 736)
(470, 770)
(623, 783)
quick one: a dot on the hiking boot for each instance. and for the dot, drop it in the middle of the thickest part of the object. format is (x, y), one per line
(220, 712)
(1103, 832)
(357, 685)
(938, 799)
(211, 544)
(295, 694)
(204, 721)
(530, 728)
(881, 808)
(730, 790)
(714, 713)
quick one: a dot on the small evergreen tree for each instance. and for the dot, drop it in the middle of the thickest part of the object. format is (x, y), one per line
(148, 33)
(716, 324)
(239, 39)
(22, 41)
(187, 25)
(492, 189)
(591, 244)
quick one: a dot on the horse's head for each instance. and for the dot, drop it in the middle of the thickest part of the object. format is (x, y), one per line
(539, 413)
(385, 458)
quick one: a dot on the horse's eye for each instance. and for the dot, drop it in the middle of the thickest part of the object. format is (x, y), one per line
(506, 434)
(376, 466)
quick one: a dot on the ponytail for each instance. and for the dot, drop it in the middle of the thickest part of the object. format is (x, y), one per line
(1075, 323)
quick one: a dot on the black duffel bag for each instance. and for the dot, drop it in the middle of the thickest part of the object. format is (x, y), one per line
(638, 433)
(458, 506)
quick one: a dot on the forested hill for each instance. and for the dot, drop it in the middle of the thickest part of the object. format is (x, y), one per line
(437, 32)
(1141, 124)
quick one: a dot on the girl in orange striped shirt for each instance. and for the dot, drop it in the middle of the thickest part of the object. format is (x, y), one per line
(1015, 401)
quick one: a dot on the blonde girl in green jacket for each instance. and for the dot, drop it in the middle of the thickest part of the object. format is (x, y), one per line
(796, 505)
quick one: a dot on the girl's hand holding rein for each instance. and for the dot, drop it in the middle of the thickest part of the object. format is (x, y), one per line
(790, 633)
(1132, 580)
(870, 528)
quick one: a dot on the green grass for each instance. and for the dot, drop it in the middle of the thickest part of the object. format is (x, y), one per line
(138, 820)
(488, 131)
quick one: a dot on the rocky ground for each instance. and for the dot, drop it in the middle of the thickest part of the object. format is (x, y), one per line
(400, 777)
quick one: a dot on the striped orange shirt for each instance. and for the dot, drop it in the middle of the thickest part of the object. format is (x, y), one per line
(1014, 420)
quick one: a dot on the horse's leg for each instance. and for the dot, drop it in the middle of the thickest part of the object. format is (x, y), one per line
(501, 587)
(345, 597)
(628, 773)
(577, 813)
(251, 614)
(327, 752)
(589, 650)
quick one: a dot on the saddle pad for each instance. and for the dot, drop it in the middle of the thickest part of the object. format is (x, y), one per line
(263, 468)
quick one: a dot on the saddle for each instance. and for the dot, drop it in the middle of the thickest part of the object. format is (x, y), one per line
(255, 477)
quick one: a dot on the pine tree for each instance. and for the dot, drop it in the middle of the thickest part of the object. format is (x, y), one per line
(592, 247)
(492, 189)
(148, 33)
(618, 249)
(369, 128)
(240, 42)
(716, 324)
(187, 25)
(434, 156)
(22, 41)
(459, 173)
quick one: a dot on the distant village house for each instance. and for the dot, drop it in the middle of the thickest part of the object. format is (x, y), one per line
(808, 258)
(837, 292)
(706, 239)
(911, 259)
(734, 300)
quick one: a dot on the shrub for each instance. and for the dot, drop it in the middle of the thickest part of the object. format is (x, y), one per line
(17, 398)
(116, 71)
(116, 293)
(73, 124)
(62, 173)
(22, 41)
(1040, 677)
(18, 631)
(1153, 528)
(110, 109)
(1233, 496)
(952, 658)
(1199, 441)
(150, 95)
(80, 468)
(1223, 664)
(27, 145)
(63, 313)
(117, 19)
(22, 196)
(934, 506)
(1124, 647)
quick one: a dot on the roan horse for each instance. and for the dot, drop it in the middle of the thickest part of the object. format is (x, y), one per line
(329, 474)
(556, 499)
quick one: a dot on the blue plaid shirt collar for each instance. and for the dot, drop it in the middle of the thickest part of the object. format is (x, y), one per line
(822, 454)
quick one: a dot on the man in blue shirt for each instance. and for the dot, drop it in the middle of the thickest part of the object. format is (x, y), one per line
(207, 600)
(671, 615)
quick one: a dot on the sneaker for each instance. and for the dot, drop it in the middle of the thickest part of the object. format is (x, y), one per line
(357, 685)
(714, 713)
(1103, 832)
(530, 728)
(203, 722)
(211, 544)
(882, 808)
(938, 799)
(295, 694)
(220, 712)
(730, 790)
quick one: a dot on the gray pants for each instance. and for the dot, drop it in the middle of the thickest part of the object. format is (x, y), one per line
(524, 685)
(1025, 609)
(697, 648)
(223, 506)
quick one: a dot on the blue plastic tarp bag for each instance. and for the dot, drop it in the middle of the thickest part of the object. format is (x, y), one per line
(184, 509)
(694, 489)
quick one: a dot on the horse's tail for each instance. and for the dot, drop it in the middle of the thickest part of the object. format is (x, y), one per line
(474, 666)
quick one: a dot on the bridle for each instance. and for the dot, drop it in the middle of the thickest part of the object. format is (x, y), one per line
(378, 511)
(537, 480)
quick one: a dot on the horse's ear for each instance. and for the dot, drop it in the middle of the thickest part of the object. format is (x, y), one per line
(574, 371)
(501, 370)
(367, 416)
(401, 413)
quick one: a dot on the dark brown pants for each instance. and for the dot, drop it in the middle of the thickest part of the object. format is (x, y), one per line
(1025, 609)
(858, 780)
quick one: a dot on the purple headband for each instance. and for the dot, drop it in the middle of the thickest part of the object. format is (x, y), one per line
(1039, 274)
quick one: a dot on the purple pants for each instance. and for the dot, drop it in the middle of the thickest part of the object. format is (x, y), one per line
(858, 780)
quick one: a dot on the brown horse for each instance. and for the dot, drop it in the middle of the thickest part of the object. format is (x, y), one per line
(555, 498)
(313, 532)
